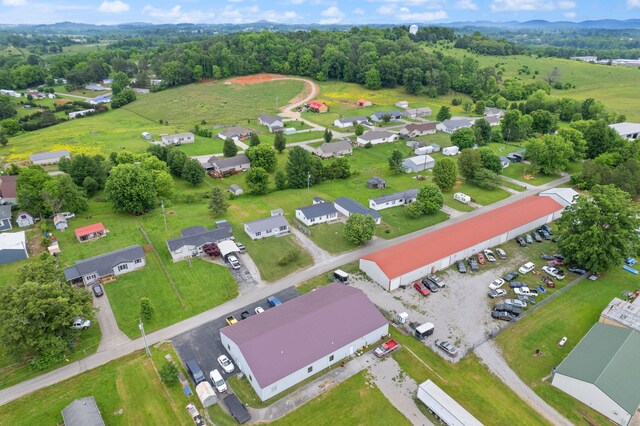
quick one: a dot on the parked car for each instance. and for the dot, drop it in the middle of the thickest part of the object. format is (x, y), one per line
(226, 364)
(430, 285)
(245, 315)
(520, 241)
(547, 281)
(577, 270)
(501, 253)
(537, 237)
(502, 315)
(386, 348)
(527, 299)
(489, 255)
(481, 258)
(547, 228)
(473, 264)
(241, 247)
(273, 301)
(554, 272)
(630, 261)
(555, 262)
(421, 288)
(558, 256)
(97, 290)
(510, 276)
(195, 371)
(81, 324)
(528, 238)
(461, 268)
(233, 261)
(546, 256)
(496, 284)
(447, 346)
(526, 268)
(541, 289)
(525, 291)
(231, 320)
(516, 302)
(436, 279)
(68, 215)
(513, 310)
(544, 234)
(516, 284)
(259, 310)
(497, 293)
(217, 380)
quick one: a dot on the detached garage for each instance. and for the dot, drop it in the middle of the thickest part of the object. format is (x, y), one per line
(406, 262)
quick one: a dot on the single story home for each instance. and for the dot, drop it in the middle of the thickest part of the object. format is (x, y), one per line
(376, 183)
(418, 112)
(317, 106)
(622, 313)
(82, 113)
(82, 412)
(630, 131)
(364, 103)
(228, 165)
(348, 206)
(46, 158)
(235, 189)
(413, 130)
(564, 196)
(60, 222)
(101, 99)
(13, 247)
(274, 225)
(193, 239)
(5, 218)
(349, 121)
(8, 192)
(274, 123)
(375, 137)
(419, 163)
(317, 213)
(11, 93)
(402, 104)
(504, 161)
(146, 135)
(334, 149)
(178, 138)
(493, 112)
(395, 115)
(95, 87)
(281, 347)
(106, 267)
(492, 120)
(236, 133)
(601, 372)
(25, 219)
(393, 200)
(90, 232)
(450, 126)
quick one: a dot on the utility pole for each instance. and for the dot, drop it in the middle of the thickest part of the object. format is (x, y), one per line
(276, 103)
(308, 183)
(164, 216)
(144, 337)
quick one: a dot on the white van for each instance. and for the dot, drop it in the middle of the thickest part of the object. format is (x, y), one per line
(218, 381)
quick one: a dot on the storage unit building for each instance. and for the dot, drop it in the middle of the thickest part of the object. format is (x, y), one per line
(406, 262)
(418, 163)
(45, 158)
(445, 408)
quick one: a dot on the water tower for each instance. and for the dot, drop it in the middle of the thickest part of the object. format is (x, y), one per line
(413, 29)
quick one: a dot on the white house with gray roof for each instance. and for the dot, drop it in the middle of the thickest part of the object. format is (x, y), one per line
(274, 123)
(630, 131)
(375, 137)
(106, 266)
(193, 239)
(267, 227)
(228, 165)
(349, 121)
(334, 149)
(45, 158)
(393, 200)
(378, 116)
(178, 138)
(5, 218)
(455, 123)
(317, 213)
(348, 206)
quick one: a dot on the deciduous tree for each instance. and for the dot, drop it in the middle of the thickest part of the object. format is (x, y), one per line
(359, 228)
(254, 140)
(257, 180)
(395, 161)
(429, 198)
(131, 189)
(490, 160)
(549, 154)
(445, 173)
(263, 156)
(280, 142)
(444, 113)
(193, 172)
(463, 138)
(469, 162)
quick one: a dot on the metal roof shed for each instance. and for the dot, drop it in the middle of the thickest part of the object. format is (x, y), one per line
(444, 407)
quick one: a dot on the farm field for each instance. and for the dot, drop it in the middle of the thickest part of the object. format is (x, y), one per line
(570, 315)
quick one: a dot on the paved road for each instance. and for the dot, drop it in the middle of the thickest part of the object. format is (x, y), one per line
(491, 356)
(111, 334)
(261, 292)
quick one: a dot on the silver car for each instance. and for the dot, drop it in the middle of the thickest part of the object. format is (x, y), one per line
(515, 302)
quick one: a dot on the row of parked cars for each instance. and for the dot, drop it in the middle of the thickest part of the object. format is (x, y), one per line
(430, 284)
(544, 232)
(214, 375)
(474, 262)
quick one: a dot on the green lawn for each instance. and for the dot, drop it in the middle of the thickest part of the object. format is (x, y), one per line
(296, 137)
(203, 146)
(395, 222)
(481, 196)
(512, 185)
(326, 278)
(128, 391)
(570, 315)
(455, 204)
(524, 173)
(298, 125)
(469, 382)
(330, 237)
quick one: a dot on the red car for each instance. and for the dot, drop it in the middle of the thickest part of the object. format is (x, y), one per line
(480, 257)
(556, 263)
(422, 289)
(547, 280)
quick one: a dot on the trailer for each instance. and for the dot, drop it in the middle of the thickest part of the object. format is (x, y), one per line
(423, 331)
(451, 150)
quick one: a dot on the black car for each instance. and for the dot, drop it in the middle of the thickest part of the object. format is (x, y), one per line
(97, 290)
(244, 315)
(196, 373)
(577, 270)
(433, 287)
(558, 256)
(473, 264)
(461, 268)
(547, 256)
(547, 228)
(544, 234)
(520, 241)
(503, 307)
(537, 237)
(501, 315)
(510, 276)
(516, 284)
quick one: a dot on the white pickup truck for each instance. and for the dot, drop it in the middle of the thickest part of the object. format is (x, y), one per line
(524, 291)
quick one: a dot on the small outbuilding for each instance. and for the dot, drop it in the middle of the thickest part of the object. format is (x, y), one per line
(82, 412)
(91, 232)
(25, 219)
(13, 247)
(60, 222)
(451, 150)
(5, 218)
(46, 158)
(419, 163)
(235, 189)
(206, 394)
(376, 183)
(402, 104)
(364, 103)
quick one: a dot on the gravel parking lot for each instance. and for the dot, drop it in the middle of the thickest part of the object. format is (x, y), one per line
(460, 312)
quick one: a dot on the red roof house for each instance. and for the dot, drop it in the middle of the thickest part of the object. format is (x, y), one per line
(364, 103)
(91, 232)
(318, 106)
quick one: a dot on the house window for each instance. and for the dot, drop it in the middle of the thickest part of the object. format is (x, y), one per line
(250, 378)
(258, 234)
(331, 358)
(90, 277)
(310, 369)
(123, 267)
(274, 388)
(229, 347)
(137, 261)
(269, 231)
(283, 228)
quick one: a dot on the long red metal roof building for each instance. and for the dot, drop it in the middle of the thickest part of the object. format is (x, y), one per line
(405, 257)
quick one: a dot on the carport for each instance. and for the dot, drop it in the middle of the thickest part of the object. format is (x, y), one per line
(228, 247)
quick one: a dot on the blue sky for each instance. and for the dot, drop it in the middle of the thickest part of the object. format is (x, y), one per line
(311, 11)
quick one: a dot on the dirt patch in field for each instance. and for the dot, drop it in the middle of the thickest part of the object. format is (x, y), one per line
(256, 78)
(309, 86)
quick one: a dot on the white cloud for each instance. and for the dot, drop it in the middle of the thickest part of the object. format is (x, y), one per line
(387, 9)
(566, 5)
(177, 15)
(296, 1)
(280, 16)
(331, 15)
(466, 4)
(570, 15)
(517, 5)
(116, 6)
(14, 3)
(358, 11)
(633, 3)
(174, 12)
(423, 17)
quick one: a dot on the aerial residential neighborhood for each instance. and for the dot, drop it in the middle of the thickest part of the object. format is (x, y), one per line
(374, 213)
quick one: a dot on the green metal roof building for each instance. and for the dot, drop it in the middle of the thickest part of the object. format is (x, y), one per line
(603, 372)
